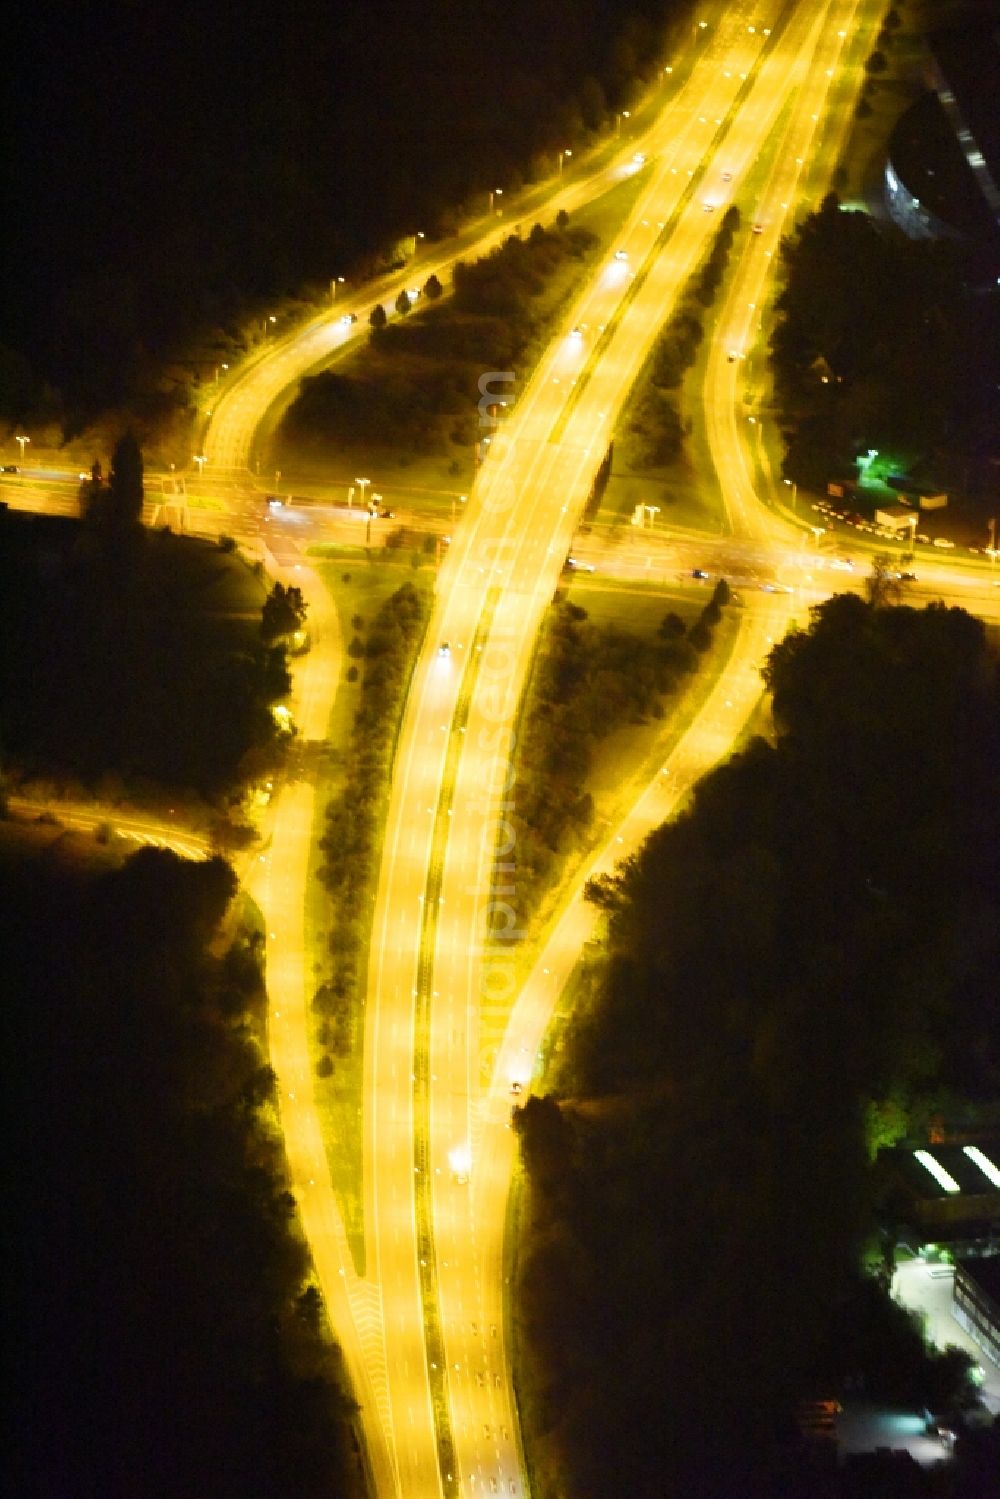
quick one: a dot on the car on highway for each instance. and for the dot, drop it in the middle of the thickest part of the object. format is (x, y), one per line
(444, 649)
(349, 318)
(907, 577)
(758, 229)
(708, 206)
(842, 564)
(11, 468)
(515, 1087)
(727, 176)
(639, 158)
(621, 255)
(699, 572)
(576, 566)
(943, 542)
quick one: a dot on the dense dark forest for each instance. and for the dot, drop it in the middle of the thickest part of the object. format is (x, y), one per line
(162, 1337)
(886, 343)
(134, 654)
(168, 166)
(817, 935)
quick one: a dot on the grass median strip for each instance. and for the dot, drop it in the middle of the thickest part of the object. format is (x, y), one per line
(344, 870)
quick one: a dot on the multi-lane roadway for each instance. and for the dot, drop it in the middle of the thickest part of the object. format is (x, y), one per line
(436, 954)
(423, 1331)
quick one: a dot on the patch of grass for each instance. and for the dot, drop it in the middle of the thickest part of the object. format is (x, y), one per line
(622, 763)
(634, 607)
(604, 216)
(685, 501)
(415, 386)
(359, 593)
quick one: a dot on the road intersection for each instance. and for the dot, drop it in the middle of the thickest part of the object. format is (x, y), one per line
(423, 1332)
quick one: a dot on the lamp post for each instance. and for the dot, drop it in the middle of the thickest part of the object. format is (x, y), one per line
(22, 439)
(335, 282)
(462, 498)
(993, 543)
(362, 485)
(623, 114)
(793, 486)
(563, 154)
(651, 511)
(201, 460)
(496, 192)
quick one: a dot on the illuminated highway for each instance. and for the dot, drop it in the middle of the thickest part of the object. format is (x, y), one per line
(89, 817)
(764, 619)
(479, 1238)
(450, 773)
(438, 1150)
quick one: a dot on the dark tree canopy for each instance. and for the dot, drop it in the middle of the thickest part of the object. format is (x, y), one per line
(283, 613)
(125, 491)
(820, 932)
(162, 1335)
(367, 122)
(129, 653)
(882, 342)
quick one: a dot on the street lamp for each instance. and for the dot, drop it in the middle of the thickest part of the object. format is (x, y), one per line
(462, 498)
(362, 485)
(497, 192)
(651, 511)
(562, 154)
(791, 484)
(625, 114)
(22, 439)
(335, 281)
(201, 460)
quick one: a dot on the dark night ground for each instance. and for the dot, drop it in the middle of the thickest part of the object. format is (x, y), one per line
(167, 164)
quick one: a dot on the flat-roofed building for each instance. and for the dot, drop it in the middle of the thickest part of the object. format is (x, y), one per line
(952, 1191)
(896, 517)
(976, 1305)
